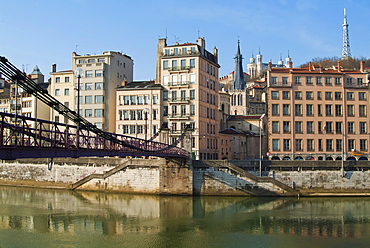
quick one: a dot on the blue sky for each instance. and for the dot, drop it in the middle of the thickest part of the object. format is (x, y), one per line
(44, 32)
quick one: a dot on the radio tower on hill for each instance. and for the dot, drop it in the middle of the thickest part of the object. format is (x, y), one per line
(346, 53)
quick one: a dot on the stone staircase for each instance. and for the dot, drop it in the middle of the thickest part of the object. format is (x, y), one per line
(104, 175)
(239, 171)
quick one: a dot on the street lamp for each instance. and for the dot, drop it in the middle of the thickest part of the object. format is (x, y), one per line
(259, 123)
(79, 74)
(146, 111)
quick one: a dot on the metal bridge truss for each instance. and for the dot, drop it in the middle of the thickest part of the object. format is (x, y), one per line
(35, 138)
(31, 87)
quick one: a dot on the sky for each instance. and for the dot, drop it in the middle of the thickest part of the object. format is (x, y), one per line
(46, 32)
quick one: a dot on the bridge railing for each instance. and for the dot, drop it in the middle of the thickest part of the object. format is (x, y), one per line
(22, 131)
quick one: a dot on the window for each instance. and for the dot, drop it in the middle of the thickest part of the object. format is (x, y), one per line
(338, 145)
(285, 80)
(328, 110)
(132, 115)
(91, 61)
(338, 127)
(174, 79)
(350, 110)
(183, 110)
(81, 61)
(328, 96)
(274, 95)
(363, 128)
(167, 51)
(319, 126)
(183, 50)
(275, 145)
(286, 109)
(126, 100)
(183, 64)
(286, 95)
(175, 51)
(192, 109)
(362, 96)
(192, 78)
(174, 95)
(286, 126)
(174, 110)
(351, 145)
(57, 79)
(66, 91)
(309, 80)
(101, 60)
(310, 127)
(66, 79)
(88, 86)
(298, 145)
(297, 80)
(329, 127)
(88, 112)
(309, 95)
(99, 112)
(88, 99)
(165, 64)
(140, 129)
(298, 95)
(286, 144)
(140, 115)
(351, 127)
(329, 145)
(338, 95)
(133, 100)
(318, 81)
(362, 110)
(126, 115)
(155, 99)
(363, 145)
(360, 81)
(99, 99)
(319, 97)
(88, 73)
(319, 109)
(99, 86)
(275, 127)
(298, 127)
(309, 109)
(125, 129)
(192, 94)
(174, 64)
(273, 80)
(98, 73)
(165, 110)
(337, 81)
(310, 145)
(349, 81)
(57, 92)
(140, 100)
(192, 63)
(165, 95)
(275, 109)
(338, 110)
(350, 96)
(132, 129)
(298, 109)
(327, 80)
(319, 144)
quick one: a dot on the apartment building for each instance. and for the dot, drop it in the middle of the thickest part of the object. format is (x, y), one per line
(26, 104)
(139, 110)
(317, 113)
(189, 76)
(100, 76)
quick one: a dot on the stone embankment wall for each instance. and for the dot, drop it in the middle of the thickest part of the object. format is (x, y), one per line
(172, 177)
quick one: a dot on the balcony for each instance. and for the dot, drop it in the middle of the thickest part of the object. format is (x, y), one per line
(280, 84)
(179, 69)
(183, 100)
(179, 117)
(184, 84)
(356, 85)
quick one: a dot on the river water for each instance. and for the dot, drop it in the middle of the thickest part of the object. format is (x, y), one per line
(59, 218)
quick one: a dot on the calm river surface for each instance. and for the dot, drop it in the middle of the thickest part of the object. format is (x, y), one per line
(57, 218)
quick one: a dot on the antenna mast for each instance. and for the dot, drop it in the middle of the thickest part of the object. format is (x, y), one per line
(346, 53)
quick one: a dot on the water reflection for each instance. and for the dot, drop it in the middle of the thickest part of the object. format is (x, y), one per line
(179, 218)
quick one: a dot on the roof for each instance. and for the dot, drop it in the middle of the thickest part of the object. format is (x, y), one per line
(243, 117)
(140, 85)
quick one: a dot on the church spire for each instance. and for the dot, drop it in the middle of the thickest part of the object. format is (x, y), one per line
(238, 82)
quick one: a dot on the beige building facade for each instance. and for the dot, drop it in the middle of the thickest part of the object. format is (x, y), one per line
(318, 113)
(100, 76)
(189, 76)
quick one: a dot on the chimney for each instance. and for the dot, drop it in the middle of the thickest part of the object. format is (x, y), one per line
(270, 65)
(362, 66)
(54, 68)
(290, 64)
(123, 83)
(310, 66)
(339, 69)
